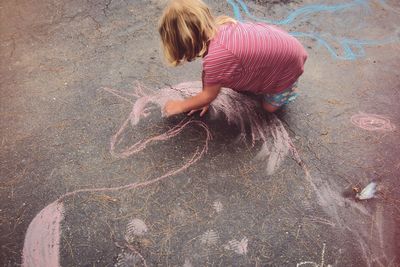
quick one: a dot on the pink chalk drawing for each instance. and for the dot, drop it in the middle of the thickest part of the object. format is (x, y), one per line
(372, 122)
(41, 244)
(42, 239)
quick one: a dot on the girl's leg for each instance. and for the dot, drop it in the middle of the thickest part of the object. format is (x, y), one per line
(273, 102)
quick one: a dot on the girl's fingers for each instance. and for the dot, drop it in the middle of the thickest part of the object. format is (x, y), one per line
(203, 111)
(192, 111)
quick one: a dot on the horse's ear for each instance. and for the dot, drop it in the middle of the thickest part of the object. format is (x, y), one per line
(140, 108)
(119, 94)
(138, 91)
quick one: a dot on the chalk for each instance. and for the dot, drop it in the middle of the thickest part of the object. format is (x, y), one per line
(372, 122)
(135, 227)
(368, 192)
(209, 238)
(42, 239)
(239, 247)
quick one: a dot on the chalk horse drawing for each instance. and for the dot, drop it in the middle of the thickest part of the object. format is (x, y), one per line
(351, 48)
(42, 240)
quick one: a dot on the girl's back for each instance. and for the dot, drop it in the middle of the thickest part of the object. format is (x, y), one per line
(253, 57)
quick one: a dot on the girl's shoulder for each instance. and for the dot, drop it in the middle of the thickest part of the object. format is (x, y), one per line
(226, 31)
(226, 27)
(241, 26)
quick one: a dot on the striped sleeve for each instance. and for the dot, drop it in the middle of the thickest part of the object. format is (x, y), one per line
(219, 65)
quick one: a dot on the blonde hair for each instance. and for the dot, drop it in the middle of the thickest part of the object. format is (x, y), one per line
(186, 27)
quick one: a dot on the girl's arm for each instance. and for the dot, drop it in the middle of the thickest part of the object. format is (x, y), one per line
(198, 101)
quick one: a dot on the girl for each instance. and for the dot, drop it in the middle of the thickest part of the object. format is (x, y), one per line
(247, 57)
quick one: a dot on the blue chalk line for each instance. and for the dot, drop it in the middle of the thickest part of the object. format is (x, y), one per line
(348, 45)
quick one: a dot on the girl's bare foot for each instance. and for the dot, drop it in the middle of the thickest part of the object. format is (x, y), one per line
(269, 108)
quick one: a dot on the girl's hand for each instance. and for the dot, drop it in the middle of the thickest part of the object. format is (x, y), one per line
(173, 107)
(194, 103)
(203, 111)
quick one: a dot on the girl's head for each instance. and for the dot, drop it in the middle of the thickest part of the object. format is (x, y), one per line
(186, 27)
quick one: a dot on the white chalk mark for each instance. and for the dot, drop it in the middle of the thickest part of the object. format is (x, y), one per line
(323, 255)
(131, 248)
(209, 238)
(136, 227)
(379, 221)
(368, 192)
(218, 207)
(320, 220)
(240, 247)
(127, 259)
(311, 263)
(187, 263)
(298, 231)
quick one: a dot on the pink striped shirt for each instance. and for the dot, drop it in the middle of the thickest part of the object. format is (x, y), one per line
(253, 57)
